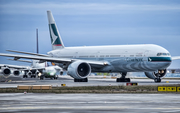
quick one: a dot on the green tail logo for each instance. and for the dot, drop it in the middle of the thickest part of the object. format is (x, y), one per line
(55, 39)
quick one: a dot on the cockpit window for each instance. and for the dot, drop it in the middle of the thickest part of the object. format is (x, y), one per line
(163, 54)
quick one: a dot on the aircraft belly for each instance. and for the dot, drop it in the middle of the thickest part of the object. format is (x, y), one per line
(124, 66)
(134, 67)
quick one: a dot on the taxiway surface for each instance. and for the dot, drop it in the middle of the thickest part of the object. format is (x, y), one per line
(92, 81)
(81, 103)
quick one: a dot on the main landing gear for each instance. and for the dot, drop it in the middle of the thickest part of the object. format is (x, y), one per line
(122, 78)
(81, 80)
(25, 76)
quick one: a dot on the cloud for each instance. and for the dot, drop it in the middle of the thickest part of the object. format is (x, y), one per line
(82, 8)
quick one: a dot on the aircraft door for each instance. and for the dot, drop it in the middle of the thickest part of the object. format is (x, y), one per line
(146, 53)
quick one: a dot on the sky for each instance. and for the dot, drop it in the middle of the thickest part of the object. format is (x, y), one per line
(90, 23)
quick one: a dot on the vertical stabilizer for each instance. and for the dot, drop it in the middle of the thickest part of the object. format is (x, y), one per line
(56, 40)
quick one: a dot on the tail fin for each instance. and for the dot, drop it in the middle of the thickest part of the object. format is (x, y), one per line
(56, 40)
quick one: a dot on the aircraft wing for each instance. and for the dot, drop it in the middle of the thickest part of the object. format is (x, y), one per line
(53, 59)
(33, 69)
(13, 66)
(175, 57)
(21, 60)
(28, 53)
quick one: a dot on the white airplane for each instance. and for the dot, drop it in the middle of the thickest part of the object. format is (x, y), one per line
(11, 70)
(42, 70)
(79, 62)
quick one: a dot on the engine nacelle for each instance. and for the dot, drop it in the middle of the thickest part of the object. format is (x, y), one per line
(6, 71)
(61, 72)
(29, 73)
(156, 74)
(16, 73)
(37, 73)
(79, 70)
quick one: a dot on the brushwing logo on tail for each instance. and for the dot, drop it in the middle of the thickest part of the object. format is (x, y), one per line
(54, 35)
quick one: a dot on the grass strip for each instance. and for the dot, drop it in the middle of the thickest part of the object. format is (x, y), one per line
(93, 89)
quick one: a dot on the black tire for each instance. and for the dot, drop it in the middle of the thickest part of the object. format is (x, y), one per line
(123, 80)
(75, 80)
(86, 80)
(157, 80)
(128, 80)
(81, 80)
(118, 80)
(41, 77)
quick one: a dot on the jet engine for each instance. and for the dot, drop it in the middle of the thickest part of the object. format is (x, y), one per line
(61, 72)
(29, 73)
(16, 73)
(79, 70)
(6, 71)
(37, 73)
(157, 75)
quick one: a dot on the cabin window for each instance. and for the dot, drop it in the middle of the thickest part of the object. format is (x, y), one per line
(83, 56)
(115, 56)
(163, 54)
(139, 55)
(67, 56)
(91, 56)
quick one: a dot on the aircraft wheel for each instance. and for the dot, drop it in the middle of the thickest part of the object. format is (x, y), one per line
(123, 80)
(157, 80)
(41, 77)
(81, 80)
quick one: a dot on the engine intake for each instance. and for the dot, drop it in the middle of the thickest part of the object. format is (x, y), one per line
(157, 74)
(79, 70)
(16, 73)
(29, 73)
(6, 72)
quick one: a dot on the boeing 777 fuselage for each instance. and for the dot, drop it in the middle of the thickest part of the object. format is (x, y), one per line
(123, 58)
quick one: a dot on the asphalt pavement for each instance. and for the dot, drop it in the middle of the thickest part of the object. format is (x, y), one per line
(88, 103)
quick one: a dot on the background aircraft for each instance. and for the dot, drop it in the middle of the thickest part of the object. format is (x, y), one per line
(13, 70)
(42, 70)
